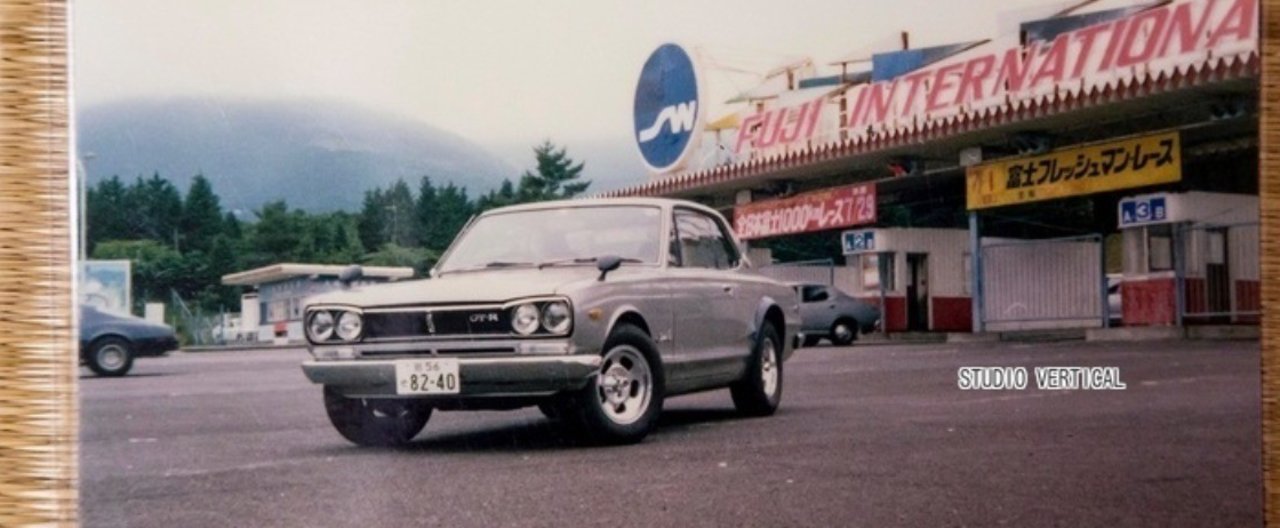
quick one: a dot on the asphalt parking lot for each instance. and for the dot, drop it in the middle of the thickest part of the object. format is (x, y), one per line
(866, 436)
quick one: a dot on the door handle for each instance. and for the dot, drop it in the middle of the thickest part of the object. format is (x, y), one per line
(728, 289)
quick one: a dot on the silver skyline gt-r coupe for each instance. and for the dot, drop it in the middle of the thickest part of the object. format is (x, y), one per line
(593, 310)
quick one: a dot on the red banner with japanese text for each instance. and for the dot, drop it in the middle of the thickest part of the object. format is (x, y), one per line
(833, 208)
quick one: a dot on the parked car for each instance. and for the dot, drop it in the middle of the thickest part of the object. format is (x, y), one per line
(228, 331)
(1115, 301)
(593, 310)
(109, 342)
(826, 312)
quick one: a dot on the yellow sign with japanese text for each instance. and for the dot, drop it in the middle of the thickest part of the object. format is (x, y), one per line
(1137, 162)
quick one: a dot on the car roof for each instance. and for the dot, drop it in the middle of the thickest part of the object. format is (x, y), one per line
(665, 203)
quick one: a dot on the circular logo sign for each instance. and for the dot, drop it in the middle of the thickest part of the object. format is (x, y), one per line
(667, 117)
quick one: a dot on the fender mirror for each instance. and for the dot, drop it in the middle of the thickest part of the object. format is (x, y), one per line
(350, 274)
(606, 264)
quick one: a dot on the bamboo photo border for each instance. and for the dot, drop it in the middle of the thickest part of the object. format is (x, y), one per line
(38, 361)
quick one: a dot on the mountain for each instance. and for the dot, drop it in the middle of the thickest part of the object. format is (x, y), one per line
(318, 156)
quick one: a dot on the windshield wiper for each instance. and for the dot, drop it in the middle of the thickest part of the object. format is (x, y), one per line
(502, 264)
(581, 260)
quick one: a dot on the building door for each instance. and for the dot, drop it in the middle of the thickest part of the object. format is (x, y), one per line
(1217, 276)
(917, 291)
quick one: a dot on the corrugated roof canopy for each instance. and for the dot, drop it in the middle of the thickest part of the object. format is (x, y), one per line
(288, 270)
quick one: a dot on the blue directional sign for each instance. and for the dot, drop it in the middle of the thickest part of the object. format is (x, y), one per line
(858, 241)
(1143, 210)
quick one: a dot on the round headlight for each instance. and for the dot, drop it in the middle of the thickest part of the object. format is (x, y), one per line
(350, 324)
(525, 319)
(320, 327)
(556, 317)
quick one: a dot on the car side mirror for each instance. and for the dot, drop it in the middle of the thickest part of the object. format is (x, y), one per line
(433, 273)
(606, 264)
(350, 274)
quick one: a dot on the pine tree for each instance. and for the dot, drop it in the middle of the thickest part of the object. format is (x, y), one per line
(454, 209)
(222, 261)
(276, 236)
(348, 248)
(107, 212)
(505, 195)
(231, 226)
(372, 225)
(401, 230)
(426, 213)
(441, 213)
(556, 177)
(201, 218)
(154, 209)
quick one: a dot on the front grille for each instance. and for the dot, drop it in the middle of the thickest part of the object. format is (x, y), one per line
(443, 352)
(465, 322)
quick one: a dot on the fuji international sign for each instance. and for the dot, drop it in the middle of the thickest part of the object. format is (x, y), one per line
(1004, 71)
(1166, 35)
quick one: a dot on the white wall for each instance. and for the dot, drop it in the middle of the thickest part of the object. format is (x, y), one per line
(946, 249)
(1042, 285)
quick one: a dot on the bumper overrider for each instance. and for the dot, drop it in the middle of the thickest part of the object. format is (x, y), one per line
(531, 367)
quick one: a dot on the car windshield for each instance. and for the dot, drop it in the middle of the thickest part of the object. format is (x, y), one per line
(564, 235)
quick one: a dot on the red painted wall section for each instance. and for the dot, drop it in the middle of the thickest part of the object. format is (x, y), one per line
(1248, 299)
(896, 314)
(1197, 296)
(951, 314)
(1148, 302)
(1152, 302)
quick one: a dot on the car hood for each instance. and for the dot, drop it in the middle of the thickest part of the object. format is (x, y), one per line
(467, 287)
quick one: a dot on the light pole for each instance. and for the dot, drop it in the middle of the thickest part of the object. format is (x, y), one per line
(82, 191)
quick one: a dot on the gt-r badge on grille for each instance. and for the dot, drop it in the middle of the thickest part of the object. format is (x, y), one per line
(484, 318)
(431, 323)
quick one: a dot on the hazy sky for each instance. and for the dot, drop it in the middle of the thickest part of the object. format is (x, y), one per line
(505, 74)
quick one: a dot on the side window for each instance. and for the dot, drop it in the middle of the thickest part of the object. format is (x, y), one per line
(673, 252)
(813, 294)
(702, 242)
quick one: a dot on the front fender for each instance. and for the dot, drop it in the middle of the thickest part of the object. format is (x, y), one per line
(785, 333)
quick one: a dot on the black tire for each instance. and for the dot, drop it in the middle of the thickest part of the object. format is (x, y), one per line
(842, 338)
(600, 411)
(811, 340)
(110, 356)
(375, 422)
(753, 395)
(553, 410)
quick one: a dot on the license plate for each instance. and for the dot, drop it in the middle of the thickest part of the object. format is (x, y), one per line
(427, 376)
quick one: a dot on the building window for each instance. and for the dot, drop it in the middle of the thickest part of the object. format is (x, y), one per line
(278, 311)
(1135, 254)
(871, 277)
(1159, 248)
(1217, 253)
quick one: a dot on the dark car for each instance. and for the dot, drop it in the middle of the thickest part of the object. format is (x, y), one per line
(109, 341)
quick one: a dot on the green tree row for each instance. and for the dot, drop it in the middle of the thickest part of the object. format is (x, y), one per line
(185, 244)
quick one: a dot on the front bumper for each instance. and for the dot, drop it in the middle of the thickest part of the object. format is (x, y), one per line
(479, 376)
(156, 346)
